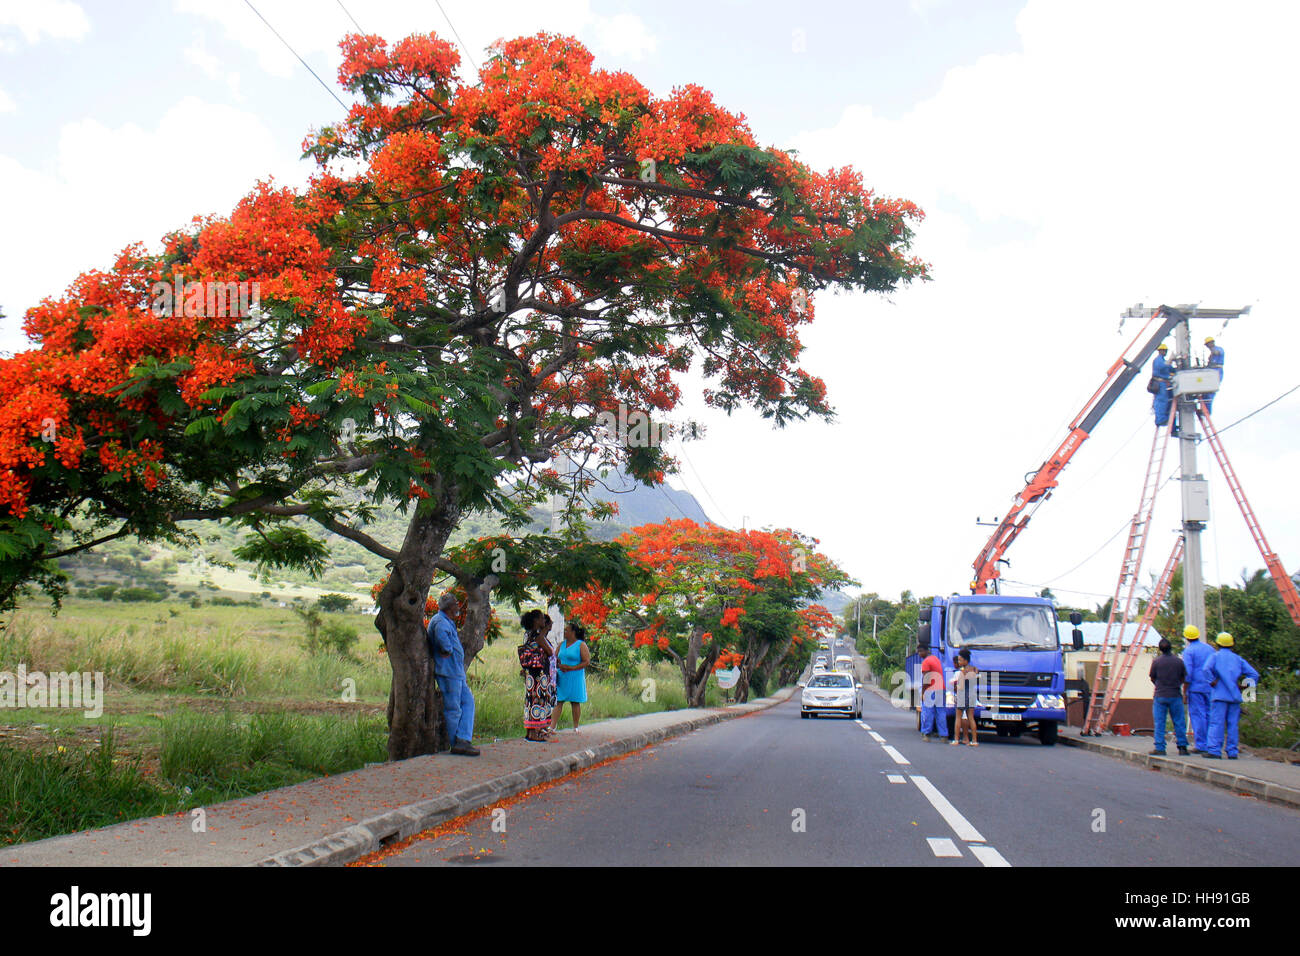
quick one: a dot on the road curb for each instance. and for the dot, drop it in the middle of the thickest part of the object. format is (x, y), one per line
(374, 833)
(1261, 789)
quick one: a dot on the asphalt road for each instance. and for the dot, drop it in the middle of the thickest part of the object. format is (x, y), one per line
(772, 789)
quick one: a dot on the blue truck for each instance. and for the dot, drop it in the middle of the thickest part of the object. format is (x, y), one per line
(1013, 642)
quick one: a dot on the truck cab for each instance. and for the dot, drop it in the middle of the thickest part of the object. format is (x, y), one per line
(1013, 643)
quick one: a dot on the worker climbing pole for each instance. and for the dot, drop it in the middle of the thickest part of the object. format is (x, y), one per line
(1162, 386)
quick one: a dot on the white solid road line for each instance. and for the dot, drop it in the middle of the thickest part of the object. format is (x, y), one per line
(988, 856)
(942, 846)
(960, 825)
(898, 758)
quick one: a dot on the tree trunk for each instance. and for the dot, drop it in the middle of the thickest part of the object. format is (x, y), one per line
(696, 667)
(415, 724)
(478, 611)
(752, 662)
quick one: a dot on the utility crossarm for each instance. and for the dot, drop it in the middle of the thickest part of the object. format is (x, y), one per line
(1039, 484)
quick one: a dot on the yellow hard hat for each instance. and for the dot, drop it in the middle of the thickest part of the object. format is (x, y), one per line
(1224, 639)
(1162, 347)
(1209, 340)
(1192, 632)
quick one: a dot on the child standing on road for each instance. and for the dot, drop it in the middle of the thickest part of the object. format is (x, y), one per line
(964, 683)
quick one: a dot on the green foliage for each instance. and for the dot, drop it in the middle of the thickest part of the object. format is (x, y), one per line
(138, 594)
(1253, 614)
(42, 794)
(613, 658)
(334, 603)
(230, 753)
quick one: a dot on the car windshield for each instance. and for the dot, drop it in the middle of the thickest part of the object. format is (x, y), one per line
(830, 680)
(1005, 626)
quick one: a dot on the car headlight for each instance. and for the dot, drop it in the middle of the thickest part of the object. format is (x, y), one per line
(1050, 701)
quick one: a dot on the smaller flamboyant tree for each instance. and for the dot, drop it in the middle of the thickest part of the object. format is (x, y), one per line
(715, 592)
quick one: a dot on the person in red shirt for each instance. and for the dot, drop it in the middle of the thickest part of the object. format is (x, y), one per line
(933, 716)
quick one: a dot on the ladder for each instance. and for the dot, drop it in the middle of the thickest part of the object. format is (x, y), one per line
(1138, 643)
(1285, 586)
(1129, 570)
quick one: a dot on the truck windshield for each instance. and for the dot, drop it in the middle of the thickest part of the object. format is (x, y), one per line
(1005, 626)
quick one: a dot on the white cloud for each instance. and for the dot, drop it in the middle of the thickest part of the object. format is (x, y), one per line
(57, 19)
(624, 35)
(1129, 152)
(211, 66)
(111, 186)
(314, 30)
(6, 103)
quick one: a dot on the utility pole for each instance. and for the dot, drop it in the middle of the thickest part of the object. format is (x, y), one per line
(1194, 518)
(1189, 386)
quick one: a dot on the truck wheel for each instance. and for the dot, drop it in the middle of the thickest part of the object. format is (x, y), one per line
(1047, 732)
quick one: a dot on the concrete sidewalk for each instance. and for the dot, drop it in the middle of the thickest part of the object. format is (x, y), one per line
(334, 820)
(1269, 780)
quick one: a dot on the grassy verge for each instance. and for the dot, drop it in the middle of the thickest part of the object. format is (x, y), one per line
(214, 703)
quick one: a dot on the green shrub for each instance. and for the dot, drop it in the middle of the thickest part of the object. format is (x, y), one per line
(334, 603)
(138, 594)
(612, 657)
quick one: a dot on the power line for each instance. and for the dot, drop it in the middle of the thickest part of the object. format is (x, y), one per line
(696, 472)
(673, 503)
(468, 55)
(350, 16)
(1260, 409)
(1026, 584)
(328, 88)
(1128, 522)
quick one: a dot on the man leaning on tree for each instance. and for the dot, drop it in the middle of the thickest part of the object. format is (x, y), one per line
(449, 669)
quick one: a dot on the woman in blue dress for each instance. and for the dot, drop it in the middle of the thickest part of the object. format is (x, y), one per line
(572, 662)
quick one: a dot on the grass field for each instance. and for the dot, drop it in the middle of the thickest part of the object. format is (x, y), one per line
(211, 703)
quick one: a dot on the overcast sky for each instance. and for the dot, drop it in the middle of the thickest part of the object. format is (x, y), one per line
(1073, 159)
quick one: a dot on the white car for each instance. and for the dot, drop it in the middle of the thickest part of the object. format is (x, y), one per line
(829, 693)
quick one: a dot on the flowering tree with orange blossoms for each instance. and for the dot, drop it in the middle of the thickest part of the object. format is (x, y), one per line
(479, 275)
(717, 595)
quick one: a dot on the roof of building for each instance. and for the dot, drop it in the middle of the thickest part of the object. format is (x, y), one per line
(1095, 631)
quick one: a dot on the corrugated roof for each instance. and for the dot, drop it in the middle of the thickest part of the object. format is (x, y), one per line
(1095, 631)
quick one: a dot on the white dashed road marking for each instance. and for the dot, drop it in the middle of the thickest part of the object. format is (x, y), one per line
(960, 825)
(989, 856)
(898, 758)
(942, 846)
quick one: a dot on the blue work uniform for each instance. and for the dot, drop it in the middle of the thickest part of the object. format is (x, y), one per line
(1216, 361)
(1162, 371)
(1195, 656)
(449, 670)
(1225, 670)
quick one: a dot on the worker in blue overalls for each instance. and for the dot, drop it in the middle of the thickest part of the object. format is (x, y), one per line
(1162, 371)
(1226, 672)
(1216, 361)
(1195, 656)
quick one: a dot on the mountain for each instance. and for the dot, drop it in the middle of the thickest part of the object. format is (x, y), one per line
(638, 505)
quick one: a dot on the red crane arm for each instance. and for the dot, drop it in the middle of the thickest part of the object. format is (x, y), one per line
(1040, 484)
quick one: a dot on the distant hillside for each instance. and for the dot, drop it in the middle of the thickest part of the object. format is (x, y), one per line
(351, 569)
(638, 505)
